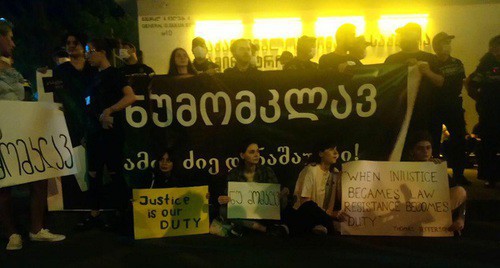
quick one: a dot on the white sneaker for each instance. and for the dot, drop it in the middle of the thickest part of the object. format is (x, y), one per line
(47, 236)
(15, 242)
(319, 230)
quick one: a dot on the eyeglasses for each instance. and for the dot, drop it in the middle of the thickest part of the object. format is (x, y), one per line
(89, 51)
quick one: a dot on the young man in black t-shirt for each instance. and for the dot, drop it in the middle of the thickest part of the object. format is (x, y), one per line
(306, 50)
(432, 80)
(339, 60)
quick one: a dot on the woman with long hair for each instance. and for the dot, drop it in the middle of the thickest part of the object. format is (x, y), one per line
(180, 64)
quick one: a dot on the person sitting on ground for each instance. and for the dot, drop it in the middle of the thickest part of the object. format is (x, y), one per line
(250, 170)
(163, 175)
(421, 151)
(317, 193)
(180, 64)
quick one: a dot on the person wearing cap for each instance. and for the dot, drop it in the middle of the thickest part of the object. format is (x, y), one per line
(201, 63)
(359, 49)
(306, 50)
(340, 59)
(128, 53)
(449, 109)
(483, 85)
(432, 80)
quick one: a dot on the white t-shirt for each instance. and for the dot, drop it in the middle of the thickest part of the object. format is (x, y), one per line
(318, 185)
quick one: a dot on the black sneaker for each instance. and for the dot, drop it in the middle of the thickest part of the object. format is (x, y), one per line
(278, 230)
(462, 180)
(236, 230)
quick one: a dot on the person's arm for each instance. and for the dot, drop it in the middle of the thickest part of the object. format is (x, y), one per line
(128, 98)
(307, 186)
(436, 79)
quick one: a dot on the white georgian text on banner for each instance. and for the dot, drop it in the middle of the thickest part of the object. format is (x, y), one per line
(396, 199)
(34, 143)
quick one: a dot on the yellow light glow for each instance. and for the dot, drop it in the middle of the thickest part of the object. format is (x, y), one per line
(328, 26)
(216, 30)
(272, 28)
(389, 23)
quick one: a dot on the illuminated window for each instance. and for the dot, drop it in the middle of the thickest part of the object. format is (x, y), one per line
(389, 23)
(216, 30)
(328, 26)
(277, 28)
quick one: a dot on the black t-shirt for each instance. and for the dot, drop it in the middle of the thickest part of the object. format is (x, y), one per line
(428, 94)
(76, 86)
(333, 60)
(205, 65)
(107, 89)
(296, 64)
(235, 70)
(137, 68)
(454, 74)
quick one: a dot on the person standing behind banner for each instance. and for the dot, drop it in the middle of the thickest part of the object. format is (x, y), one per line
(11, 88)
(432, 80)
(242, 53)
(76, 76)
(420, 150)
(306, 50)
(358, 50)
(201, 63)
(483, 85)
(317, 193)
(110, 95)
(449, 109)
(180, 64)
(249, 169)
(128, 54)
(285, 58)
(339, 60)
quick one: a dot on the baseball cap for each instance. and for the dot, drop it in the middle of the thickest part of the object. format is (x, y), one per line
(440, 37)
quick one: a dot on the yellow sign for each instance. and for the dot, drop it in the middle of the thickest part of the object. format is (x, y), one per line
(170, 212)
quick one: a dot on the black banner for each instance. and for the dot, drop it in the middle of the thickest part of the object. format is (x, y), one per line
(205, 118)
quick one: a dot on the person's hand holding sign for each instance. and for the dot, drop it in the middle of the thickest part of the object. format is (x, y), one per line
(224, 199)
(338, 215)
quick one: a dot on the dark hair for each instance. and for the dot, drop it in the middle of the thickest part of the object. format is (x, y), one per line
(304, 41)
(172, 70)
(315, 159)
(198, 41)
(242, 148)
(418, 137)
(495, 41)
(156, 169)
(60, 53)
(105, 44)
(5, 26)
(80, 38)
(236, 42)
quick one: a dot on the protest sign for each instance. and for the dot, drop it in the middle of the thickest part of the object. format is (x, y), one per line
(34, 143)
(251, 200)
(396, 199)
(170, 212)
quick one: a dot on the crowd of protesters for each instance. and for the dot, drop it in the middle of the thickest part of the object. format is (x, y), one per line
(96, 94)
